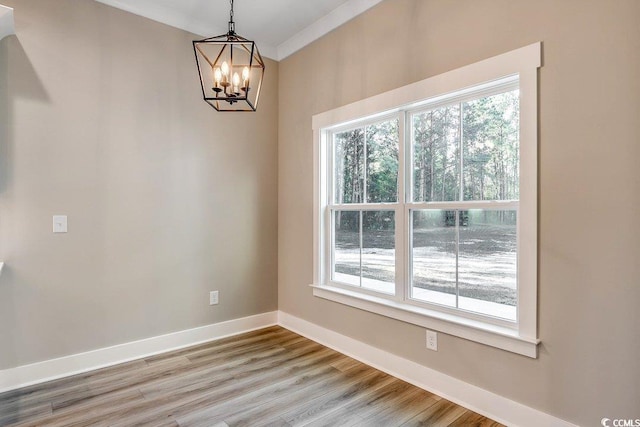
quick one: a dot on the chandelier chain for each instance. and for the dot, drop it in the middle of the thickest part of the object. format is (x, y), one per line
(232, 25)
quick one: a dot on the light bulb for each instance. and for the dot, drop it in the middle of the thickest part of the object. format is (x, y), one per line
(236, 79)
(245, 73)
(225, 69)
(217, 74)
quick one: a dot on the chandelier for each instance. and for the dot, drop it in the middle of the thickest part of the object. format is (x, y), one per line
(231, 70)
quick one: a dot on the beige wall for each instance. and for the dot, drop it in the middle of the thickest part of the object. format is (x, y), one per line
(102, 119)
(589, 274)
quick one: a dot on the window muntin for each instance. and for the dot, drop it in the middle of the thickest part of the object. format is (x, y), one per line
(464, 152)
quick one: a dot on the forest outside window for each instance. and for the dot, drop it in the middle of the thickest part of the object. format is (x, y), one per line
(463, 154)
(426, 212)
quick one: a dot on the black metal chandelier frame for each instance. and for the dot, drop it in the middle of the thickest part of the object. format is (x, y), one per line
(222, 87)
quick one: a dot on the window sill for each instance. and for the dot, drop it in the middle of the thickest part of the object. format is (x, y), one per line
(492, 335)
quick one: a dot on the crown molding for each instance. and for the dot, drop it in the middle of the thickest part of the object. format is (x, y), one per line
(156, 12)
(7, 27)
(342, 14)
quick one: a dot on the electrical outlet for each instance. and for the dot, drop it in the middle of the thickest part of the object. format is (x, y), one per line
(213, 297)
(432, 340)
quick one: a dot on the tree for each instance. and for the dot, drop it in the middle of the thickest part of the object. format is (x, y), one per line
(436, 154)
(491, 147)
(366, 169)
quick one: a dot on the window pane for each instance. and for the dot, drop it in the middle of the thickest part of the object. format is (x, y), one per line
(487, 263)
(378, 251)
(434, 256)
(491, 147)
(349, 166)
(382, 140)
(346, 247)
(436, 158)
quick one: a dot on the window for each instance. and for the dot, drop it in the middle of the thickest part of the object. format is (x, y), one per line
(426, 202)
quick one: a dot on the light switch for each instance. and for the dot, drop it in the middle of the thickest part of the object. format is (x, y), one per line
(59, 223)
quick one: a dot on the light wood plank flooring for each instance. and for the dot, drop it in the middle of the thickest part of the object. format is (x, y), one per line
(270, 377)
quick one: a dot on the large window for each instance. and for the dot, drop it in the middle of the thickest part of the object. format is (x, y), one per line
(426, 210)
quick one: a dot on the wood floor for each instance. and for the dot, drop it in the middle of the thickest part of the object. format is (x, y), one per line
(270, 377)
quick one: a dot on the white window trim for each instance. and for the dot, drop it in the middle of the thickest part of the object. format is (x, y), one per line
(524, 62)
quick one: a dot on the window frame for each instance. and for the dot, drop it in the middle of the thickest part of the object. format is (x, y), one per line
(452, 87)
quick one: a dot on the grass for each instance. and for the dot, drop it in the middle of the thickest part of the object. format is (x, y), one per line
(486, 264)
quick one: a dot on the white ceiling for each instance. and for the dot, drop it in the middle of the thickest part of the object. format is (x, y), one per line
(279, 27)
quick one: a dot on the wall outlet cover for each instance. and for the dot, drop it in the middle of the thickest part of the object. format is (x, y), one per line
(59, 223)
(432, 340)
(213, 297)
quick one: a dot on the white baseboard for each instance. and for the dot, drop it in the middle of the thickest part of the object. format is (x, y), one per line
(499, 408)
(484, 402)
(78, 363)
